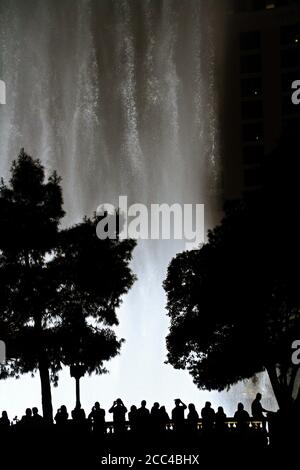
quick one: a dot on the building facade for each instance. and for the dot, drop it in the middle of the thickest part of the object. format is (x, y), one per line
(263, 60)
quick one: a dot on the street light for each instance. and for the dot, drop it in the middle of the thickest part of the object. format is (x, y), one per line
(77, 371)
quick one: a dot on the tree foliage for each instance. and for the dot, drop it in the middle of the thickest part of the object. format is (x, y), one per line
(234, 303)
(60, 288)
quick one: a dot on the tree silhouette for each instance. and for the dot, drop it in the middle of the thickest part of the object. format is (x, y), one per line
(234, 303)
(53, 281)
(93, 275)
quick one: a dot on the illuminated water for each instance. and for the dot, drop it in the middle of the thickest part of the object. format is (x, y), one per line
(120, 97)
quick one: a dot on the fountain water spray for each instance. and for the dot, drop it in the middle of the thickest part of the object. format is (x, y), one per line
(120, 97)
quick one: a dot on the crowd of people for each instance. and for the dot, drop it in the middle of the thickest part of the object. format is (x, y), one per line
(139, 419)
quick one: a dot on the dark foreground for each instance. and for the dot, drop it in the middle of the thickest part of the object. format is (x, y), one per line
(73, 446)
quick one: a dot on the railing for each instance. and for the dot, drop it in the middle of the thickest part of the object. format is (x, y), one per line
(229, 424)
(108, 428)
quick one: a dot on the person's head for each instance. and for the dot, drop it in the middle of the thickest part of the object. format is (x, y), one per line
(97, 405)
(28, 412)
(163, 408)
(208, 404)
(35, 411)
(192, 407)
(240, 406)
(133, 408)
(258, 396)
(220, 410)
(63, 408)
(177, 401)
(4, 414)
(119, 401)
(143, 403)
(156, 405)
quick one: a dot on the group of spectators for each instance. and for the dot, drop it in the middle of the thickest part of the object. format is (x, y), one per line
(144, 419)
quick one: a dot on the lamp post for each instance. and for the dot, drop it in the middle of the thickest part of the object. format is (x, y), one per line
(77, 371)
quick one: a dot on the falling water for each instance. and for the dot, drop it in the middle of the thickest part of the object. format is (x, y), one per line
(120, 97)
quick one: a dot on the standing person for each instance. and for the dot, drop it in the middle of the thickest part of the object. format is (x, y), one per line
(242, 417)
(4, 421)
(178, 415)
(256, 408)
(119, 411)
(27, 418)
(163, 418)
(220, 418)
(192, 418)
(62, 415)
(155, 417)
(37, 419)
(208, 416)
(78, 417)
(143, 415)
(132, 417)
(97, 418)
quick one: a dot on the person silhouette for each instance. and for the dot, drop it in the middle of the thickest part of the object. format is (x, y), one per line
(192, 418)
(78, 415)
(220, 419)
(37, 419)
(132, 417)
(4, 421)
(257, 410)
(97, 419)
(143, 415)
(155, 417)
(208, 416)
(242, 417)
(178, 415)
(163, 418)
(62, 415)
(119, 411)
(27, 418)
